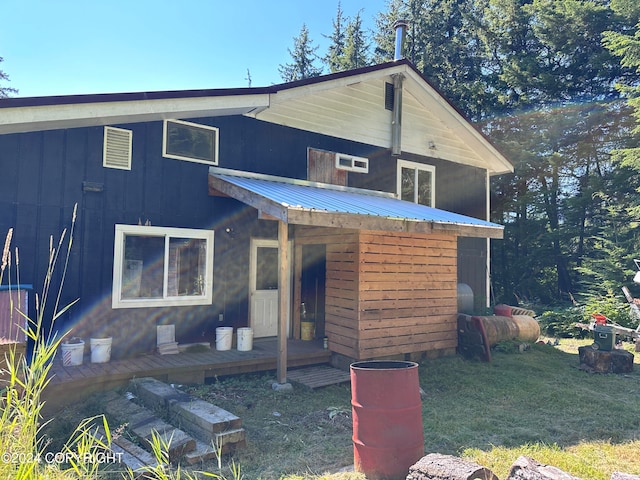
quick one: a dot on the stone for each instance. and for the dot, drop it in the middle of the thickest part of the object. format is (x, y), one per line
(282, 387)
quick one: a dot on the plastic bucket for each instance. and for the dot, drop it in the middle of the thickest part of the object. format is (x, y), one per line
(502, 310)
(224, 338)
(245, 339)
(307, 330)
(388, 435)
(100, 349)
(72, 353)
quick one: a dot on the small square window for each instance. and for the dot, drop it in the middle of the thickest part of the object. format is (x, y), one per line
(155, 266)
(190, 141)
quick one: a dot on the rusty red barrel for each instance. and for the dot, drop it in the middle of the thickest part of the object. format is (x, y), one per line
(387, 418)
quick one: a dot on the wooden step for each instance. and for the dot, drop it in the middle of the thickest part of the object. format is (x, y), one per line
(205, 421)
(143, 423)
(318, 376)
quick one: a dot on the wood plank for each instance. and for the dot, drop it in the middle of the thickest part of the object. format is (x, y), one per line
(402, 349)
(368, 295)
(423, 284)
(418, 315)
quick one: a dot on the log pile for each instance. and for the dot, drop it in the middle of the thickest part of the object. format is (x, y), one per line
(435, 466)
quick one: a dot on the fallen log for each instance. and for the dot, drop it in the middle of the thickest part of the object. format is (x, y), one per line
(436, 466)
(525, 468)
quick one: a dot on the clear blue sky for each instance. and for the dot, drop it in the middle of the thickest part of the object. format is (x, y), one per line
(60, 47)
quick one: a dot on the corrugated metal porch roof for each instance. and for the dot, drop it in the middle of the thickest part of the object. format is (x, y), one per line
(307, 203)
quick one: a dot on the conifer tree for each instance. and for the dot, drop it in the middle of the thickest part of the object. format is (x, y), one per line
(303, 56)
(335, 53)
(6, 91)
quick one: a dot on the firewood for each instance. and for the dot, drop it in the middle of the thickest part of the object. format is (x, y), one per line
(436, 466)
(525, 468)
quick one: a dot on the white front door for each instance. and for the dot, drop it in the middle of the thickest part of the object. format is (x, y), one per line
(263, 291)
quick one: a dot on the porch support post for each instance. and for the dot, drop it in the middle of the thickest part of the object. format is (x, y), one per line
(283, 299)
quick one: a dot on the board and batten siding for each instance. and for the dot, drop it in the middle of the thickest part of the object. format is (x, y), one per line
(387, 293)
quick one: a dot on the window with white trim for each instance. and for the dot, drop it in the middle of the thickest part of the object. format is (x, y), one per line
(190, 141)
(416, 182)
(351, 163)
(158, 266)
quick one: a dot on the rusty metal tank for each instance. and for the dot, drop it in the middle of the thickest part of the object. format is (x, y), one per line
(387, 418)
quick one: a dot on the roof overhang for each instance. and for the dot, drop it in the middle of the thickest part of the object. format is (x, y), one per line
(96, 110)
(299, 202)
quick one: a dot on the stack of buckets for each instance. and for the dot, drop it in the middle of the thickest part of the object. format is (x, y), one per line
(224, 338)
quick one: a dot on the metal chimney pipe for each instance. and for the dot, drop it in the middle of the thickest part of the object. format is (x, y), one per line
(400, 27)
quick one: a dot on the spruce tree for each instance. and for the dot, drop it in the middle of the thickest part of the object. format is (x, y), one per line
(303, 56)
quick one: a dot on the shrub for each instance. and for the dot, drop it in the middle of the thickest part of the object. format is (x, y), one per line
(561, 322)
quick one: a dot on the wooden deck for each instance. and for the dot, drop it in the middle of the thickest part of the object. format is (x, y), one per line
(74, 383)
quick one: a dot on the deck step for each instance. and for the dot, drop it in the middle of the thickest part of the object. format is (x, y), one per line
(208, 423)
(318, 376)
(128, 454)
(143, 423)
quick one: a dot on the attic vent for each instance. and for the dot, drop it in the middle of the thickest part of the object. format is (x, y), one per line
(351, 163)
(117, 148)
(388, 95)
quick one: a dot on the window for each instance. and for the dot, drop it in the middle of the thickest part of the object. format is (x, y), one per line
(416, 182)
(116, 152)
(156, 266)
(190, 141)
(351, 163)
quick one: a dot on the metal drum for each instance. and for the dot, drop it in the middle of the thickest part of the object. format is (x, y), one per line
(388, 435)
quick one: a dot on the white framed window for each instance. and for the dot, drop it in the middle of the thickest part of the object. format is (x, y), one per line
(190, 141)
(416, 182)
(351, 163)
(116, 151)
(158, 266)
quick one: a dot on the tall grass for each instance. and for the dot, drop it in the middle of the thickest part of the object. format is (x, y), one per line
(26, 377)
(25, 454)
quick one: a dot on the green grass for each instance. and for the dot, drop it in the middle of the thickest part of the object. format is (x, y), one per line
(537, 403)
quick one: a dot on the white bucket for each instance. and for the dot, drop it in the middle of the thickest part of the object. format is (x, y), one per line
(72, 353)
(245, 339)
(100, 350)
(224, 338)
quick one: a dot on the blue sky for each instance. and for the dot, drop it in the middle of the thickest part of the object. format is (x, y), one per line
(60, 47)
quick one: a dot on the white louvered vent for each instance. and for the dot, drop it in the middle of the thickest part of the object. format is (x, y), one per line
(117, 148)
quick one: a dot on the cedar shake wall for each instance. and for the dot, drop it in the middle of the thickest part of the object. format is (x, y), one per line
(387, 293)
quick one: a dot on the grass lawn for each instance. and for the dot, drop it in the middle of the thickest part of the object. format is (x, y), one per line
(536, 403)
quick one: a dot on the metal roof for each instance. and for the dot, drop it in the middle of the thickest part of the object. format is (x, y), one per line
(308, 203)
